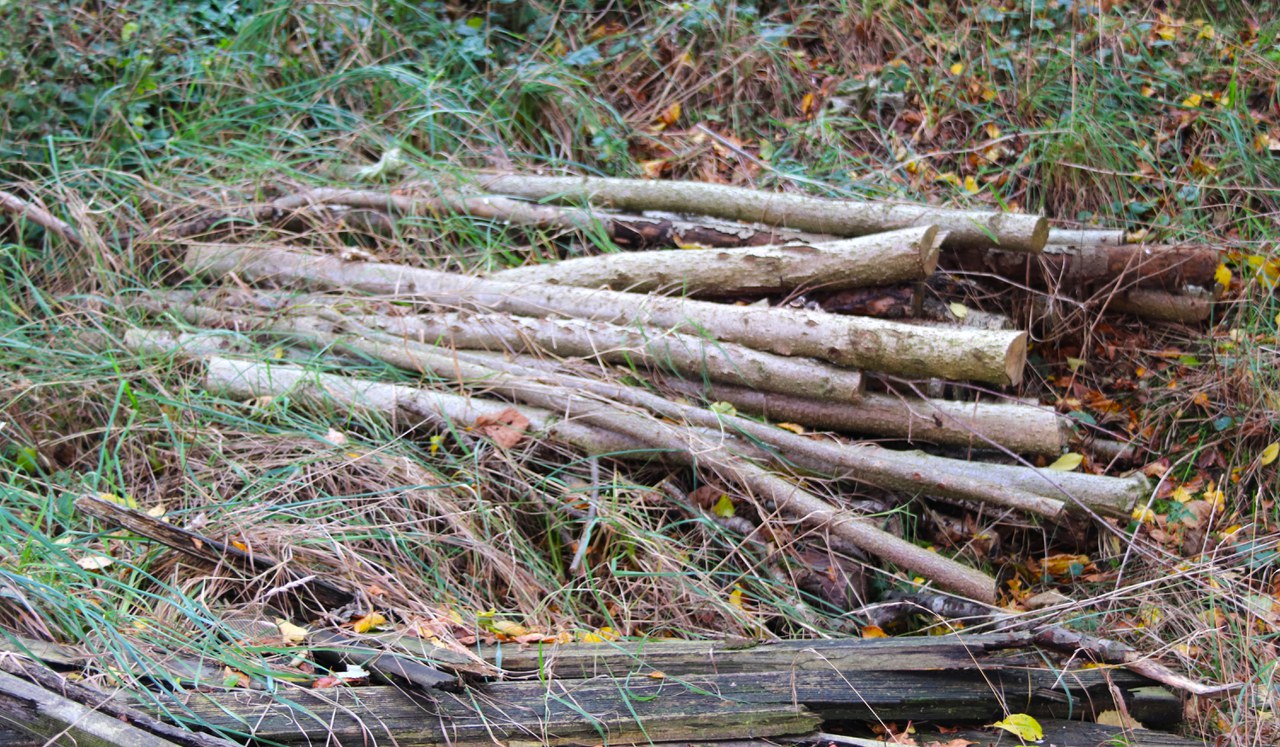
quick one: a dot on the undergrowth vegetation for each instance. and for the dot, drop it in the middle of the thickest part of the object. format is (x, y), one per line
(123, 119)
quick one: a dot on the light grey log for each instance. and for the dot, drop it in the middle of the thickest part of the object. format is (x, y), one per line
(879, 259)
(687, 355)
(1015, 231)
(995, 357)
(1086, 236)
(1020, 428)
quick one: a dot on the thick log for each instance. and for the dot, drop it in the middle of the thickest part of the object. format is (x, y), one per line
(880, 259)
(1188, 307)
(1077, 270)
(686, 355)
(977, 228)
(995, 357)
(656, 229)
(1020, 428)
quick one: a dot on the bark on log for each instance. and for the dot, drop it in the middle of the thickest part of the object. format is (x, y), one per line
(995, 357)
(682, 444)
(687, 355)
(656, 229)
(1014, 231)
(881, 259)
(1077, 270)
(1188, 307)
(1019, 428)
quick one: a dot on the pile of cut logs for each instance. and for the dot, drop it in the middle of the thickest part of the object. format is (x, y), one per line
(539, 341)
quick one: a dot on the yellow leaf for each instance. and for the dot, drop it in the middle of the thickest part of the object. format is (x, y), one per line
(1202, 168)
(993, 131)
(1181, 494)
(1192, 101)
(1144, 515)
(157, 511)
(1075, 364)
(873, 631)
(1067, 462)
(368, 622)
(723, 408)
(653, 169)
(1269, 454)
(949, 177)
(122, 500)
(1148, 91)
(735, 597)
(1206, 32)
(795, 428)
(806, 104)
(959, 309)
(970, 185)
(600, 636)
(723, 507)
(957, 68)
(671, 114)
(656, 675)
(1021, 726)
(1116, 718)
(292, 633)
(509, 628)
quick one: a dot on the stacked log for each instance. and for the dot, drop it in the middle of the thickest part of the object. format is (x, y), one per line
(708, 331)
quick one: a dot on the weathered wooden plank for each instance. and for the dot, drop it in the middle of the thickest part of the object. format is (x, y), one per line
(617, 659)
(577, 712)
(39, 716)
(667, 708)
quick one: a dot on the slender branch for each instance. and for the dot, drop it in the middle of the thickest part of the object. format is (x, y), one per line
(11, 203)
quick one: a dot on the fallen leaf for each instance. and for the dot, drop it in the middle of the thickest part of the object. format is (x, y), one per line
(1067, 462)
(120, 500)
(873, 631)
(670, 114)
(322, 683)
(1021, 726)
(1222, 276)
(504, 428)
(292, 633)
(368, 622)
(95, 562)
(793, 427)
(1269, 454)
(959, 309)
(723, 507)
(509, 628)
(1116, 718)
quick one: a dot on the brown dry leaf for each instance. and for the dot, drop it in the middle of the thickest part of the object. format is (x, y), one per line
(505, 428)
(957, 742)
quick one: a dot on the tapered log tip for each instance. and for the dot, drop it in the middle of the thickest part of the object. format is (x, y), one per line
(1016, 358)
(931, 248)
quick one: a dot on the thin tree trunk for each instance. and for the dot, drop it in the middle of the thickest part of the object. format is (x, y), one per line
(965, 228)
(995, 357)
(1188, 307)
(682, 444)
(1019, 428)
(881, 259)
(686, 355)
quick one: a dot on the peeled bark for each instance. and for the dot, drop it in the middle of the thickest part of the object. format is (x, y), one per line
(687, 355)
(995, 357)
(1019, 428)
(881, 259)
(1076, 270)
(975, 228)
